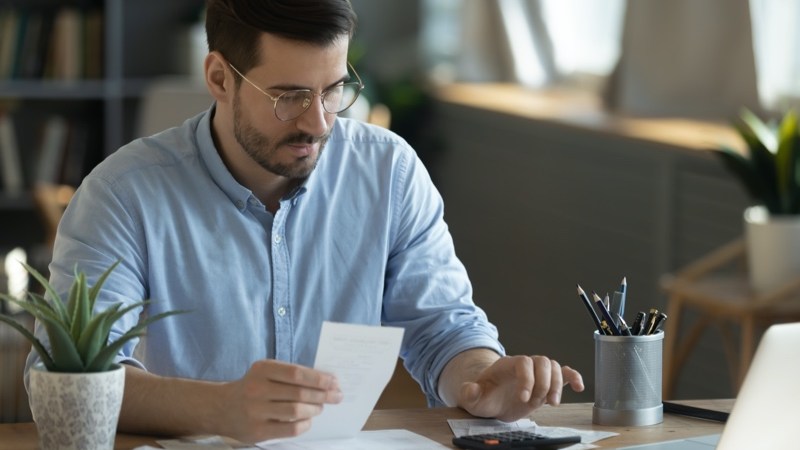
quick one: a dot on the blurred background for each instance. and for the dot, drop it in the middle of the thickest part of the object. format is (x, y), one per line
(568, 138)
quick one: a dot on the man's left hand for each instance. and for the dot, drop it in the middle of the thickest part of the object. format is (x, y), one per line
(513, 386)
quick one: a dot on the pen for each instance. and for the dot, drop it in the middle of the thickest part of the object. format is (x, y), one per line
(638, 323)
(606, 315)
(606, 328)
(651, 321)
(659, 322)
(590, 308)
(623, 327)
(623, 291)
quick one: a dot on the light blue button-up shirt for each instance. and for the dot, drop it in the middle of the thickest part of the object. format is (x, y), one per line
(363, 240)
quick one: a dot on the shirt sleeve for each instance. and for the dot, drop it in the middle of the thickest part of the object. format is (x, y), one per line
(90, 239)
(427, 289)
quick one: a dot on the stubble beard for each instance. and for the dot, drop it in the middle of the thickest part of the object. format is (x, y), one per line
(266, 154)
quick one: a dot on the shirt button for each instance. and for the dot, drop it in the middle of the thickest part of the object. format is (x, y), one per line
(281, 311)
(277, 239)
(239, 204)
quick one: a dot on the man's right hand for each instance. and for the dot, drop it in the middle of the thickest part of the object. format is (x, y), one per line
(276, 399)
(273, 400)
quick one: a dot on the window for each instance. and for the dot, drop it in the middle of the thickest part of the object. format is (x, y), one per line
(578, 42)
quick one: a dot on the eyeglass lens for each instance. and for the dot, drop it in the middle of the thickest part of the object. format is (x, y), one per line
(335, 100)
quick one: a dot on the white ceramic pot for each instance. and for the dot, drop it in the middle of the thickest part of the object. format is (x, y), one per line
(773, 248)
(76, 411)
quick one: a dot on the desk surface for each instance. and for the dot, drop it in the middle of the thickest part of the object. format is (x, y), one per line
(433, 424)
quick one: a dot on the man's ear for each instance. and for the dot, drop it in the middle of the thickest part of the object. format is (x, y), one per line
(218, 78)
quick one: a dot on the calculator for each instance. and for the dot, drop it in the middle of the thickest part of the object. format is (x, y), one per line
(513, 440)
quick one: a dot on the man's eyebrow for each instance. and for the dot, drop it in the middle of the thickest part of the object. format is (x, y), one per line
(295, 87)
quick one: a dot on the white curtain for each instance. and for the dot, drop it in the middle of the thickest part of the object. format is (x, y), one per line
(672, 57)
(776, 31)
(685, 58)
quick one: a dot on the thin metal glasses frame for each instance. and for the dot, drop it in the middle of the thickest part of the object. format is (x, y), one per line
(359, 85)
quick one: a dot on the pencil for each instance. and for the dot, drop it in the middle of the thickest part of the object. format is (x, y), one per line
(606, 315)
(590, 308)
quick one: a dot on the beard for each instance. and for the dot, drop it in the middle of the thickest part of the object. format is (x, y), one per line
(266, 153)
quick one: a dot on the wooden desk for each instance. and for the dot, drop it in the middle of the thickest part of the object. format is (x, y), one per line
(433, 424)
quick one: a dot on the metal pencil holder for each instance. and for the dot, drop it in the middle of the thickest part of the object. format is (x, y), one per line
(627, 380)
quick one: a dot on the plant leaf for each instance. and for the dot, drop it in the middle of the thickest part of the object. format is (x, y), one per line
(62, 347)
(104, 359)
(56, 300)
(81, 312)
(785, 161)
(36, 343)
(760, 130)
(95, 290)
(92, 337)
(750, 177)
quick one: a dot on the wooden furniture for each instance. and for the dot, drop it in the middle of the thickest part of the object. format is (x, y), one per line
(51, 200)
(716, 288)
(432, 423)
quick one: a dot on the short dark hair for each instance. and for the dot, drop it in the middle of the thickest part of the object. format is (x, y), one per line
(233, 27)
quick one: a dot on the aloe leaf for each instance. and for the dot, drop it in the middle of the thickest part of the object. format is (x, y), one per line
(72, 305)
(113, 318)
(95, 290)
(62, 348)
(40, 312)
(785, 160)
(81, 312)
(36, 343)
(103, 360)
(57, 303)
(92, 337)
(745, 171)
(762, 132)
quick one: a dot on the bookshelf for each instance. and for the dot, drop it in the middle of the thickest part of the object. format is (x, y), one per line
(93, 75)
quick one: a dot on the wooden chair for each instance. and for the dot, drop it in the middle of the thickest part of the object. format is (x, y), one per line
(51, 200)
(716, 287)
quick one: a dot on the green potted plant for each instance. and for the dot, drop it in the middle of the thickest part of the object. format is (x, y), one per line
(769, 170)
(76, 390)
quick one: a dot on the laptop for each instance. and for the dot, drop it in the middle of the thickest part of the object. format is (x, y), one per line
(766, 412)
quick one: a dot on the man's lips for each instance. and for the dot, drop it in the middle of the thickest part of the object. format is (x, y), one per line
(301, 150)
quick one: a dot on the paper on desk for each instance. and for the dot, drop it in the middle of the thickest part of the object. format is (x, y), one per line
(461, 427)
(363, 359)
(363, 440)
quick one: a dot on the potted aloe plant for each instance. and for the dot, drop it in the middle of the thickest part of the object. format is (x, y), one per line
(770, 172)
(76, 390)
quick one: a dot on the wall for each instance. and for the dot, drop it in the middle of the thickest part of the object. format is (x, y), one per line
(536, 206)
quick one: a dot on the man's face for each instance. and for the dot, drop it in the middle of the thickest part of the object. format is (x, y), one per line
(288, 148)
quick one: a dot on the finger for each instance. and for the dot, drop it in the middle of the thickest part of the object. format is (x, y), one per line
(556, 383)
(523, 371)
(573, 378)
(469, 395)
(292, 411)
(292, 393)
(274, 429)
(295, 374)
(542, 374)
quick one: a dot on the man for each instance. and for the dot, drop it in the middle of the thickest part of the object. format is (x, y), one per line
(267, 215)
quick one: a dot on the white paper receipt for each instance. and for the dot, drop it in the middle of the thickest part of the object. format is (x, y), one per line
(363, 359)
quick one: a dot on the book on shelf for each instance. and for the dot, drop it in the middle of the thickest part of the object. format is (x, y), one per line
(66, 45)
(9, 22)
(63, 43)
(79, 143)
(12, 178)
(93, 50)
(51, 151)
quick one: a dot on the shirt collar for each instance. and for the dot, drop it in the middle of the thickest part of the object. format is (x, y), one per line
(238, 194)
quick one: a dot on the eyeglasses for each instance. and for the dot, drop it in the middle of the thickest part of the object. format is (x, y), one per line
(291, 104)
